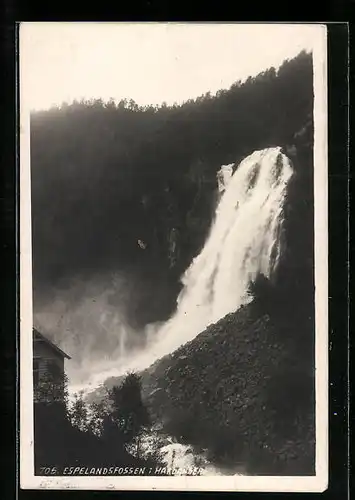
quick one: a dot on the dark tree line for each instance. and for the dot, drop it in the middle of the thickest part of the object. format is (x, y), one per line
(105, 176)
(101, 434)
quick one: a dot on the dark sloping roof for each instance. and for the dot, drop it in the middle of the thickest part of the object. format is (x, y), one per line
(45, 339)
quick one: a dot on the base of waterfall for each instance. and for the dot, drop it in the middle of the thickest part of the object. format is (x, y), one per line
(178, 459)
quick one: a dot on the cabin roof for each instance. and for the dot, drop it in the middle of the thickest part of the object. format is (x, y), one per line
(40, 336)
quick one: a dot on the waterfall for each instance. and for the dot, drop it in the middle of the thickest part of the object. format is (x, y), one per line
(244, 240)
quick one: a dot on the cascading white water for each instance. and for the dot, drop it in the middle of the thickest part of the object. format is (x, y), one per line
(244, 240)
(224, 176)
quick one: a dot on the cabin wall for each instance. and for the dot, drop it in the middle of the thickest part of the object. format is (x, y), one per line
(47, 361)
(45, 352)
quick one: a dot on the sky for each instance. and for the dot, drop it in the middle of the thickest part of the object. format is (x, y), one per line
(148, 62)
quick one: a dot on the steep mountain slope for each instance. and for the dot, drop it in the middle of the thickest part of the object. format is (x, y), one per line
(243, 391)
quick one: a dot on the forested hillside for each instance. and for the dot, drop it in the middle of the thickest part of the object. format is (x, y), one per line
(133, 189)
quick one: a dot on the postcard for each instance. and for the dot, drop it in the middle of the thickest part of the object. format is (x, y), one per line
(174, 259)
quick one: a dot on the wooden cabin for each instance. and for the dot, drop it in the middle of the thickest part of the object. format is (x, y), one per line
(48, 369)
